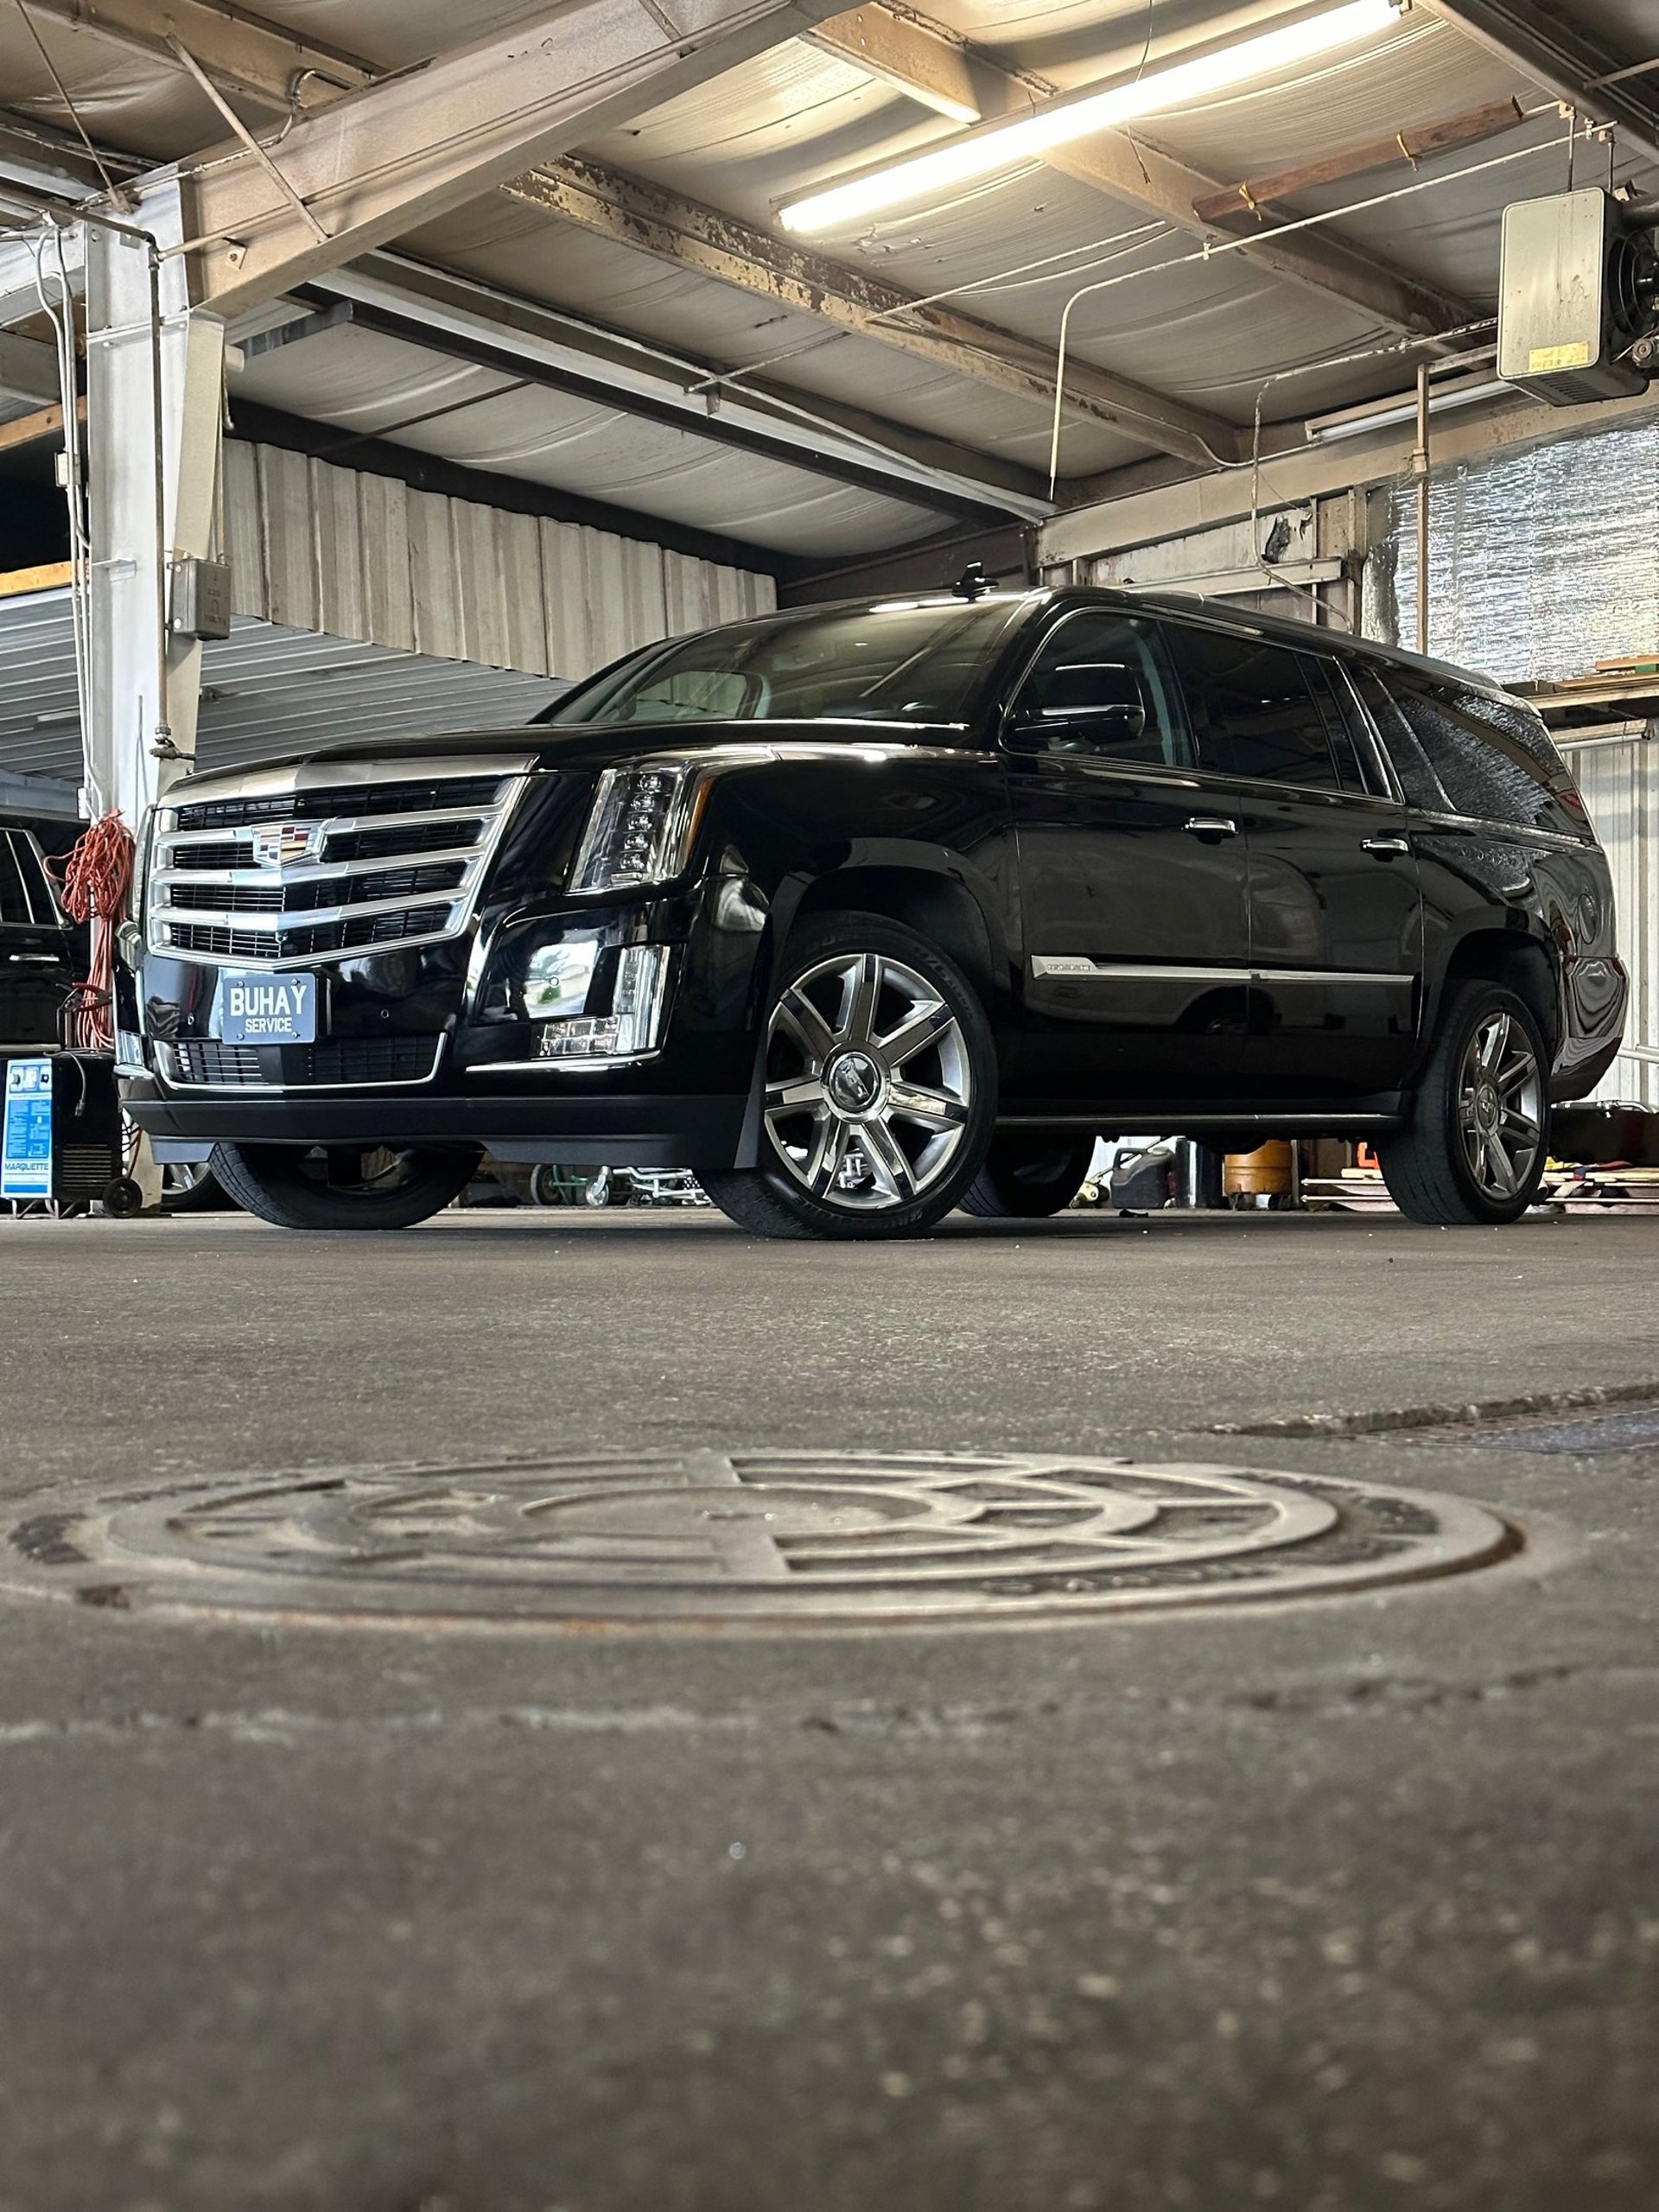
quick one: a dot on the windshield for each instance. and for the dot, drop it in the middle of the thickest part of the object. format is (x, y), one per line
(910, 661)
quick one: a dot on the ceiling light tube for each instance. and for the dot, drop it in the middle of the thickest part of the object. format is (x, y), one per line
(1384, 414)
(1001, 145)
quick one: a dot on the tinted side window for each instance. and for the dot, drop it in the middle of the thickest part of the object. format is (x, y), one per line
(1253, 709)
(1411, 763)
(13, 900)
(1354, 764)
(1100, 659)
(1492, 757)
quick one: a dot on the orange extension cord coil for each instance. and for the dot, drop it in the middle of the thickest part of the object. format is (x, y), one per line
(96, 884)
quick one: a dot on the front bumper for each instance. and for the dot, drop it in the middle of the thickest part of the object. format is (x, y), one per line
(415, 1049)
(630, 1128)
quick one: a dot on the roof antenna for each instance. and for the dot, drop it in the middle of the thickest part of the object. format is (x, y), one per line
(972, 582)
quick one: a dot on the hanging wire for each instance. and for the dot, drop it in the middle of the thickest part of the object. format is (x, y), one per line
(1212, 250)
(61, 318)
(63, 94)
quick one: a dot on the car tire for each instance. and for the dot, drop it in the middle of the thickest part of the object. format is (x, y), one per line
(1028, 1176)
(1473, 1151)
(878, 1088)
(345, 1186)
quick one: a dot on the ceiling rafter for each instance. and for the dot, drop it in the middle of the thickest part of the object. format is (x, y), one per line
(419, 142)
(632, 212)
(419, 308)
(249, 58)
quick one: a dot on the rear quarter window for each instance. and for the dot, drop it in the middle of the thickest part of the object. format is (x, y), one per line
(1492, 758)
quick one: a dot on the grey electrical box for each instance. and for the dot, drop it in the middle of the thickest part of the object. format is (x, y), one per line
(201, 599)
(1572, 299)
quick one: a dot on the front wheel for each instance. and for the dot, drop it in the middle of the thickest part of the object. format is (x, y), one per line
(1474, 1151)
(191, 1187)
(343, 1186)
(1026, 1178)
(879, 1088)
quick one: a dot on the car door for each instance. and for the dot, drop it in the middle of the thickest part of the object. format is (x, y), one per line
(1336, 904)
(1133, 894)
(34, 972)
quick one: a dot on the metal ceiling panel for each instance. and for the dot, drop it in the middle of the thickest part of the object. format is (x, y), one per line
(372, 385)
(521, 250)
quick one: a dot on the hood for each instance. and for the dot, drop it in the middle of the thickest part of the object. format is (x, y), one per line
(584, 744)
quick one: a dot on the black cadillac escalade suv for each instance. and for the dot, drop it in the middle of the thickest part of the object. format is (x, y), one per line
(865, 912)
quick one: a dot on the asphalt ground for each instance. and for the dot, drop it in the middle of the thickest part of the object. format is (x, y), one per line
(1332, 1905)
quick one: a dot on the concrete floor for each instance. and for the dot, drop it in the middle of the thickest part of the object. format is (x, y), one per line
(1332, 1906)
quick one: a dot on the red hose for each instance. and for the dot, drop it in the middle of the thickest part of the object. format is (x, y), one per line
(97, 883)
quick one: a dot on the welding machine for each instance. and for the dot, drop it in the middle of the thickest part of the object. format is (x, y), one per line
(63, 1132)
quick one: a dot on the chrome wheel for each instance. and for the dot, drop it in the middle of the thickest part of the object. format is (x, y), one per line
(869, 1087)
(1500, 1107)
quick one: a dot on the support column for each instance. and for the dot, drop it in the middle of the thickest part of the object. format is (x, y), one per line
(154, 402)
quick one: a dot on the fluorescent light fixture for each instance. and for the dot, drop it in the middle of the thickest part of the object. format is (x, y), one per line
(1385, 414)
(1001, 145)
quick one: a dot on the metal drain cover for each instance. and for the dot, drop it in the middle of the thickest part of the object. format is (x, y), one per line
(772, 1539)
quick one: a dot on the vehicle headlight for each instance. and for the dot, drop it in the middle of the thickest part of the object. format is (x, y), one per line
(644, 819)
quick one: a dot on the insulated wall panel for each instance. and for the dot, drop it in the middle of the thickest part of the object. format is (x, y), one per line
(319, 548)
(388, 588)
(283, 527)
(342, 605)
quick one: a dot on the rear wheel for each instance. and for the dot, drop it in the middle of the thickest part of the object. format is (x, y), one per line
(880, 1081)
(1026, 1178)
(342, 1186)
(1474, 1151)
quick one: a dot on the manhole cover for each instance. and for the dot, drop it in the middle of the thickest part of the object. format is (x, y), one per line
(764, 1538)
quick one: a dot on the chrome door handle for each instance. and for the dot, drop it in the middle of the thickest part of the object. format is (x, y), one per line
(35, 959)
(1386, 846)
(1211, 825)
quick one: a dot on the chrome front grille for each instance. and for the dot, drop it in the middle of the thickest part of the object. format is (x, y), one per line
(282, 866)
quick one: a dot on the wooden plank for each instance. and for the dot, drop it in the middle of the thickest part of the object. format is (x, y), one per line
(1136, 171)
(32, 429)
(49, 576)
(1468, 129)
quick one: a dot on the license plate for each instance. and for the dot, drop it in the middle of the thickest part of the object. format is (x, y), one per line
(259, 1008)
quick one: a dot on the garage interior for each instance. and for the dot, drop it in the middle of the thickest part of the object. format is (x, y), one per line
(405, 365)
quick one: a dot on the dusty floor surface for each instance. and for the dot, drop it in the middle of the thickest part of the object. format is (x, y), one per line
(1335, 1905)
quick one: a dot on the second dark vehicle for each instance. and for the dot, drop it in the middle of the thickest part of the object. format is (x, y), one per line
(863, 913)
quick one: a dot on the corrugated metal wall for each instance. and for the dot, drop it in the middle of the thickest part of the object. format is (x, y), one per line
(319, 548)
(1620, 783)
